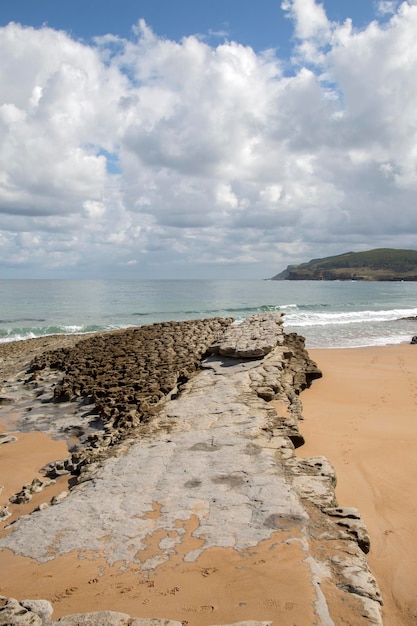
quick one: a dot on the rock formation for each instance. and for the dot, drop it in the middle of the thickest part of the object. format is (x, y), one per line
(215, 460)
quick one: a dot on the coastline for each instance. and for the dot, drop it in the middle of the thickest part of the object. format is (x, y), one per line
(379, 394)
(174, 525)
(362, 416)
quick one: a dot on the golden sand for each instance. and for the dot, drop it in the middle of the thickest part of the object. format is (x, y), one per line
(362, 415)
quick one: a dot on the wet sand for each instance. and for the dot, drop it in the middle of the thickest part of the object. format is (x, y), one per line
(224, 586)
(362, 415)
(21, 460)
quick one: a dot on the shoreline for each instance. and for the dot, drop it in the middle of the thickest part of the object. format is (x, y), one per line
(362, 416)
(363, 405)
(175, 525)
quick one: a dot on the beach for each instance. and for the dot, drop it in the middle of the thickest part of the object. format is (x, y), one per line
(184, 567)
(362, 415)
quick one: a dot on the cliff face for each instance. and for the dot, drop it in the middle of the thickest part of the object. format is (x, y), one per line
(382, 264)
(205, 504)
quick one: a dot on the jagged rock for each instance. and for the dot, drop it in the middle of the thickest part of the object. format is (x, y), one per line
(357, 530)
(252, 339)
(343, 512)
(288, 427)
(55, 469)
(4, 438)
(314, 479)
(22, 497)
(12, 613)
(314, 466)
(42, 506)
(317, 489)
(266, 393)
(125, 374)
(42, 608)
(25, 494)
(5, 401)
(356, 577)
(4, 512)
(60, 497)
(349, 519)
(36, 486)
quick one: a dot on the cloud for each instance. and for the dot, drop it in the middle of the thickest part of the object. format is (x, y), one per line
(387, 7)
(157, 158)
(310, 18)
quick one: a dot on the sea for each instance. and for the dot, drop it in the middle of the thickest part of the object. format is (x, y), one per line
(329, 314)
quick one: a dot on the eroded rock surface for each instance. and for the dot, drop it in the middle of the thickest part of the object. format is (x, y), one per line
(102, 388)
(215, 463)
(252, 339)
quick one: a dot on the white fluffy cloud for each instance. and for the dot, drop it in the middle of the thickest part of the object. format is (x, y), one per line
(157, 158)
(310, 18)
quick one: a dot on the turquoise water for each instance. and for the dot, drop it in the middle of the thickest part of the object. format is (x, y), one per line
(328, 314)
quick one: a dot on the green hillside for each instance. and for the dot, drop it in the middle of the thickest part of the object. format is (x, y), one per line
(379, 264)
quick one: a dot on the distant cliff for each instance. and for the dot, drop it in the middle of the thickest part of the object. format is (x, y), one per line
(379, 264)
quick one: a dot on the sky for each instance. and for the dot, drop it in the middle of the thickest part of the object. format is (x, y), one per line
(157, 139)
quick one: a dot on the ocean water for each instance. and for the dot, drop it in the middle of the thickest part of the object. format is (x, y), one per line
(327, 313)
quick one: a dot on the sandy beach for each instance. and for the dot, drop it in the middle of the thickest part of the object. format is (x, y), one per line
(362, 415)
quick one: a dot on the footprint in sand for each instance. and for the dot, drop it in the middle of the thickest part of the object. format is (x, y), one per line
(65, 594)
(208, 571)
(271, 603)
(198, 609)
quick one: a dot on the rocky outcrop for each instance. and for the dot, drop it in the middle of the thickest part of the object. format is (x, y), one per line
(252, 339)
(217, 472)
(131, 368)
(123, 377)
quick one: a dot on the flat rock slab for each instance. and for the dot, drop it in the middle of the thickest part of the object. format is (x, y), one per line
(252, 339)
(216, 465)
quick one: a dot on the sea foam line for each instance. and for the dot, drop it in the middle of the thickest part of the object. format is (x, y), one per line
(301, 318)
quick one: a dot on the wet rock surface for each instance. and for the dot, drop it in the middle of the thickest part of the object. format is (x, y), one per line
(217, 453)
(100, 390)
